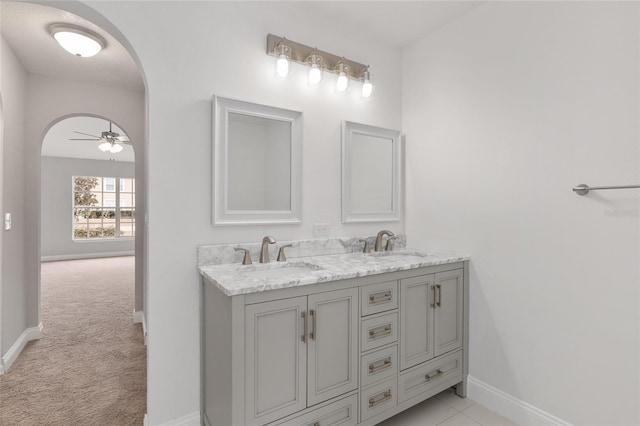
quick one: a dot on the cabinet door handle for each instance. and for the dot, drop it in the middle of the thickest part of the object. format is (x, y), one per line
(305, 326)
(380, 331)
(380, 297)
(373, 369)
(433, 303)
(314, 317)
(439, 295)
(316, 424)
(379, 398)
(438, 374)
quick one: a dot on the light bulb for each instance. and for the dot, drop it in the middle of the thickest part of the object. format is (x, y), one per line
(116, 148)
(282, 66)
(315, 75)
(342, 83)
(367, 89)
(105, 147)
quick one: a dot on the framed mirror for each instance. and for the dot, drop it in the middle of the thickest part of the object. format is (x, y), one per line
(371, 173)
(257, 162)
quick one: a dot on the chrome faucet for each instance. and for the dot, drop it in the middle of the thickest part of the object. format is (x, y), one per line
(381, 234)
(264, 251)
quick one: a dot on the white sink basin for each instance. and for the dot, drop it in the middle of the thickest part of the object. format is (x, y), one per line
(277, 270)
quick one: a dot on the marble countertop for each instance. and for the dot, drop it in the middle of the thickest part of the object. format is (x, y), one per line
(233, 278)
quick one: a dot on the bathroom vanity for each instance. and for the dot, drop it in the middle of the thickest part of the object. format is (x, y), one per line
(338, 339)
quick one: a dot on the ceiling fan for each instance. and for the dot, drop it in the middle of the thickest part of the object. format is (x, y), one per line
(111, 141)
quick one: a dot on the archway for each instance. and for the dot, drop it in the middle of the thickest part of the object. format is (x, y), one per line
(52, 100)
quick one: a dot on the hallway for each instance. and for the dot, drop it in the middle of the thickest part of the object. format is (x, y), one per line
(90, 365)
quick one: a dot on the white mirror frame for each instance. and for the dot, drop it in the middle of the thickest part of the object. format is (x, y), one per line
(222, 215)
(349, 214)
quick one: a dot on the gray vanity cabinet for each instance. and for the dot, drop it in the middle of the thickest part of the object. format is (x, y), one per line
(345, 352)
(299, 352)
(431, 320)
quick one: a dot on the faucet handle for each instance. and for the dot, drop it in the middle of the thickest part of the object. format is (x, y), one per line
(367, 246)
(281, 256)
(246, 259)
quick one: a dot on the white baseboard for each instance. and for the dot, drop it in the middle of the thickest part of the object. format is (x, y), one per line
(509, 406)
(138, 317)
(192, 419)
(33, 333)
(79, 256)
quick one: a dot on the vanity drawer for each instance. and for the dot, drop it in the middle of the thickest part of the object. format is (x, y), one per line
(429, 375)
(378, 398)
(380, 297)
(342, 412)
(379, 365)
(378, 331)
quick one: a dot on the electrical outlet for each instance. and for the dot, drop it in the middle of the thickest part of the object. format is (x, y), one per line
(321, 229)
(7, 221)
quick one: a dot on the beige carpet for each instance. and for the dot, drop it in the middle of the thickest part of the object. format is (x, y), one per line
(89, 367)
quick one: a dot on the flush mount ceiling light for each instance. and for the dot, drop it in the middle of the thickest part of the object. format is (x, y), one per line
(318, 61)
(77, 40)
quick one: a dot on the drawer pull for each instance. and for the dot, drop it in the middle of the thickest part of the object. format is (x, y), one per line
(305, 326)
(384, 396)
(376, 368)
(380, 297)
(438, 374)
(314, 318)
(433, 303)
(380, 332)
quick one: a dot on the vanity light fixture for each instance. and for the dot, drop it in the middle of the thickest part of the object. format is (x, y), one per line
(77, 40)
(318, 61)
(315, 63)
(283, 64)
(367, 86)
(342, 83)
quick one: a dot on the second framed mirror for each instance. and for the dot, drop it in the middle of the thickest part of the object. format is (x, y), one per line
(371, 173)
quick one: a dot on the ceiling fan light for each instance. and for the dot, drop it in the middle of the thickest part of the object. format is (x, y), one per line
(77, 41)
(105, 147)
(116, 148)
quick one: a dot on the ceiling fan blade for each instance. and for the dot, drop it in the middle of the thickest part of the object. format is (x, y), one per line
(87, 134)
(84, 139)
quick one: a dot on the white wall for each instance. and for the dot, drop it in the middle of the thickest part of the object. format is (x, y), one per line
(57, 207)
(13, 87)
(219, 48)
(505, 110)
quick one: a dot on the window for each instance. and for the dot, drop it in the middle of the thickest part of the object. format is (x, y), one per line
(109, 184)
(103, 207)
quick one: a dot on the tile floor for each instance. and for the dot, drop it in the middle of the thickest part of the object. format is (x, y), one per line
(447, 409)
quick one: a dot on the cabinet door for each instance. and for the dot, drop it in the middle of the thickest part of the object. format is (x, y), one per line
(275, 360)
(416, 320)
(333, 344)
(448, 312)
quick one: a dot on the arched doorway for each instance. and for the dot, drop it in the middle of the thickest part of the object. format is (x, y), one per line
(54, 97)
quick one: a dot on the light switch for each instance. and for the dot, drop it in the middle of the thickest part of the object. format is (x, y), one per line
(7, 221)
